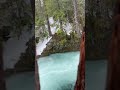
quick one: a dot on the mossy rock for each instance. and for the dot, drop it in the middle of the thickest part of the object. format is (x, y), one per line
(61, 42)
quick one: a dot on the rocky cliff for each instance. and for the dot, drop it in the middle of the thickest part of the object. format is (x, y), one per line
(62, 42)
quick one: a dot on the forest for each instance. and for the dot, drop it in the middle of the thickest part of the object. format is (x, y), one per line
(61, 20)
(58, 28)
(56, 44)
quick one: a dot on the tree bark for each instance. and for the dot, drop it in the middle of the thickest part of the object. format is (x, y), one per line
(60, 21)
(2, 75)
(77, 28)
(37, 80)
(80, 83)
(33, 7)
(113, 74)
(61, 25)
(48, 23)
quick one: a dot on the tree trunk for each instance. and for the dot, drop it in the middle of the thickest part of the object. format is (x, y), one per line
(77, 28)
(37, 84)
(33, 7)
(113, 75)
(80, 83)
(2, 75)
(37, 80)
(60, 21)
(61, 27)
(48, 23)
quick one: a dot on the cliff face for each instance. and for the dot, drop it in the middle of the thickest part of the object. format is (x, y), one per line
(80, 83)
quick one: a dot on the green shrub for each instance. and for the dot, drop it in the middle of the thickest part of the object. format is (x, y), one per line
(63, 41)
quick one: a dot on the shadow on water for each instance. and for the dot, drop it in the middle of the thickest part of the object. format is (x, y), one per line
(23, 81)
(66, 87)
(95, 77)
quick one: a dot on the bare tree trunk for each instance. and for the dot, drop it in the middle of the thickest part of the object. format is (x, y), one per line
(41, 9)
(47, 18)
(33, 7)
(77, 25)
(61, 27)
(60, 21)
(48, 23)
(37, 84)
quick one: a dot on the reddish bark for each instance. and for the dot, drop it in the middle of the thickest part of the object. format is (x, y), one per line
(113, 75)
(80, 83)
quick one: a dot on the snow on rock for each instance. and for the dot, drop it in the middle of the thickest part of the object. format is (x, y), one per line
(13, 49)
(42, 45)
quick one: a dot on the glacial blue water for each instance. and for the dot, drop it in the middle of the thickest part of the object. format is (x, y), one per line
(58, 72)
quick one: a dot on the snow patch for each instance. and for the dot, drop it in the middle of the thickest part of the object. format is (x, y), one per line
(42, 45)
(13, 49)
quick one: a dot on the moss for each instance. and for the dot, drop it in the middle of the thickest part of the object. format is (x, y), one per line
(61, 42)
(61, 33)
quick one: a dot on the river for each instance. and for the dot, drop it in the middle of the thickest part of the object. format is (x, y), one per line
(59, 72)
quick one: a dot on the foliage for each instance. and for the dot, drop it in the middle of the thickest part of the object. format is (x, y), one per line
(60, 10)
(74, 35)
(61, 33)
(63, 42)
